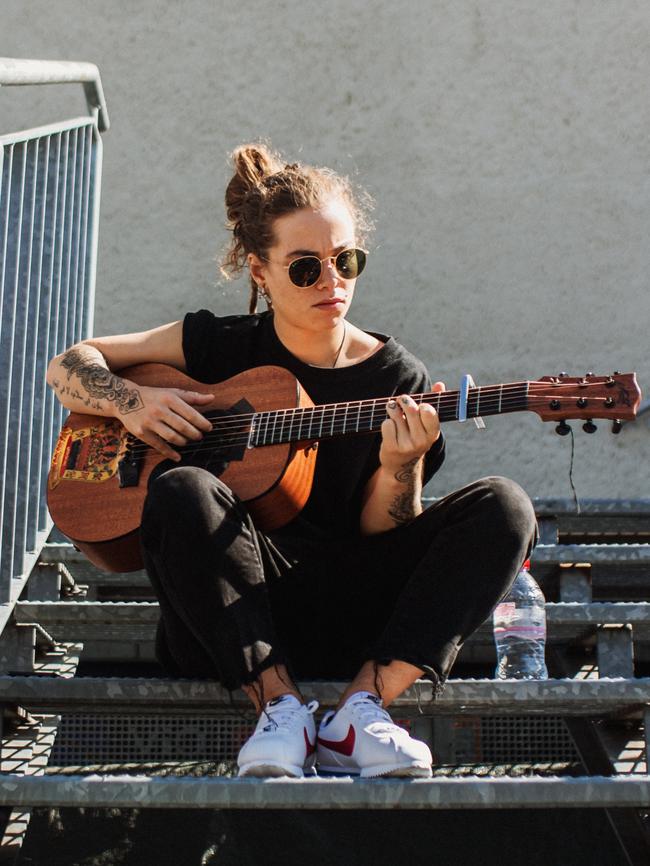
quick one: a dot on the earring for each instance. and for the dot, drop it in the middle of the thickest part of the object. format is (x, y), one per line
(262, 291)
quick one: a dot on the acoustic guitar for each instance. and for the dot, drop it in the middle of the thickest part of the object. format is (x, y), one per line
(264, 442)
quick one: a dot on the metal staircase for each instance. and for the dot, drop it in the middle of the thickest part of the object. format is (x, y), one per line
(593, 711)
(89, 720)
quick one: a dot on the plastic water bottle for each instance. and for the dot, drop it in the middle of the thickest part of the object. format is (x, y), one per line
(520, 630)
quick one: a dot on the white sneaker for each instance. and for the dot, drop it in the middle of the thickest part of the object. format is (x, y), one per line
(283, 742)
(362, 739)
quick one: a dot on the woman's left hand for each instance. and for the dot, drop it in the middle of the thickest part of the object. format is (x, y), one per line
(408, 432)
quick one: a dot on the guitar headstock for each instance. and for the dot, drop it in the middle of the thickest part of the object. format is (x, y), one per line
(557, 398)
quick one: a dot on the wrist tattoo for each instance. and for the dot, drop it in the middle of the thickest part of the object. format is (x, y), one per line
(406, 474)
(100, 382)
(402, 508)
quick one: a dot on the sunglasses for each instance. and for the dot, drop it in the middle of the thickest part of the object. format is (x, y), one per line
(306, 270)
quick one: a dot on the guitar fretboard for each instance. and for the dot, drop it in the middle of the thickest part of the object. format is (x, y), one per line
(366, 416)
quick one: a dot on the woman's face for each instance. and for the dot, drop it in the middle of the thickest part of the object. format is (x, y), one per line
(323, 231)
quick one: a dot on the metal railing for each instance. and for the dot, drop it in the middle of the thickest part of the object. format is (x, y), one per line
(49, 209)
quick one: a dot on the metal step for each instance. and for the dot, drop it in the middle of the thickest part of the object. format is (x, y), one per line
(552, 506)
(610, 554)
(54, 552)
(319, 793)
(616, 695)
(136, 621)
(26, 747)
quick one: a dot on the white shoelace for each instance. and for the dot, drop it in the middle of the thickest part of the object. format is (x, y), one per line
(374, 717)
(286, 716)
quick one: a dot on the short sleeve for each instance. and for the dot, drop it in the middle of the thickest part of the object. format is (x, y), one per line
(198, 343)
(218, 347)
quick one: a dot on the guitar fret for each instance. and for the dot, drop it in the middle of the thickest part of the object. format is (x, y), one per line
(478, 402)
(345, 418)
(293, 419)
(333, 411)
(301, 417)
(500, 398)
(358, 416)
(252, 431)
(372, 414)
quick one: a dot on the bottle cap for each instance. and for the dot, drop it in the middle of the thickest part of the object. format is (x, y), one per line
(526, 565)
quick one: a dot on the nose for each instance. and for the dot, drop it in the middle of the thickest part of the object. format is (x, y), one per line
(328, 273)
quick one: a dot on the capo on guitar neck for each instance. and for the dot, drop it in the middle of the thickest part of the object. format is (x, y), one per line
(466, 383)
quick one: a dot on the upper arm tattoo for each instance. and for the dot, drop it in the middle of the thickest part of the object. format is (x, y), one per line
(101, 382)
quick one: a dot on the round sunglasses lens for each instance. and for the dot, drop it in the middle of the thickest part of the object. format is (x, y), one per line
(350, 263)
(304, 272)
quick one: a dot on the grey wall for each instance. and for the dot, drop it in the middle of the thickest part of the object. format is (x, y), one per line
(504, 141)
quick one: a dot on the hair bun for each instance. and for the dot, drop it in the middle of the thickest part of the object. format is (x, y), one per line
(254, 162)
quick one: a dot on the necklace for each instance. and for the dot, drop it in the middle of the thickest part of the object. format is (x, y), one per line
(336, 357)
(338, 351)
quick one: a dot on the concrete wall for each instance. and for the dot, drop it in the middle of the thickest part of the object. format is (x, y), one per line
(504, 141)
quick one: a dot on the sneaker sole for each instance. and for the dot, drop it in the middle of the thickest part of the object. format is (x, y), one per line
(269, 769)
(420, 771)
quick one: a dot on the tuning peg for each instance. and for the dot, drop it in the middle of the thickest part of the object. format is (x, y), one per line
(563, 375)
(589, 426)
(562, 428)
(617, 426)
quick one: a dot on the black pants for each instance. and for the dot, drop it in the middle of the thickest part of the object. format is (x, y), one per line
(235, 601)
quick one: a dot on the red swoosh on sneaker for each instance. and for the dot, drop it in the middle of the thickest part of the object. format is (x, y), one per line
(311, 747)
(345, 747)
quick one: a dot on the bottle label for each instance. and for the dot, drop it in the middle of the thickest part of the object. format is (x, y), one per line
(529, 632)
(506, 611)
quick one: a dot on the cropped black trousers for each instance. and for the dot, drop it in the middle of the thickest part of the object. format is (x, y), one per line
(235, 601)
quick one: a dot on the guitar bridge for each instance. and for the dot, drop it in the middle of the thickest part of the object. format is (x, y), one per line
(128, 469)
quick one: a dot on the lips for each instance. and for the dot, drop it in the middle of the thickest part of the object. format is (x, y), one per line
(330, 302)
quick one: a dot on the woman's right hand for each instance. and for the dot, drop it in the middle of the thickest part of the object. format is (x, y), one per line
(166, 417)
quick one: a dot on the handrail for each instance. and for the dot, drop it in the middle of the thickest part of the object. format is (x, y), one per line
(20, 72)
(49, 211)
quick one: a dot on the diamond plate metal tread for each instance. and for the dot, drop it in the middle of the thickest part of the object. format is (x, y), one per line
(605, 554)
(543, 553)
(49, 613)
(79, 620)
(553, 506)
(203, 769)
(318, 793)
(615, 695)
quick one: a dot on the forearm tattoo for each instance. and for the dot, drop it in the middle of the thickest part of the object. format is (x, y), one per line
(402, 508)
(100, 382)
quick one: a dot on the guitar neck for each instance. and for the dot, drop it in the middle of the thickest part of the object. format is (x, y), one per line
(366, 416)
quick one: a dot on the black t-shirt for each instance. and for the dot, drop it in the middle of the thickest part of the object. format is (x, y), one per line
(217, 348)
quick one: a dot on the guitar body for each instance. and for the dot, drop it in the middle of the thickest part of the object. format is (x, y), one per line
(102, 517)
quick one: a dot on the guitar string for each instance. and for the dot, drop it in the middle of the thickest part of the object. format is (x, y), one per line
(241, 426)
(447, 399)
(240, 432)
